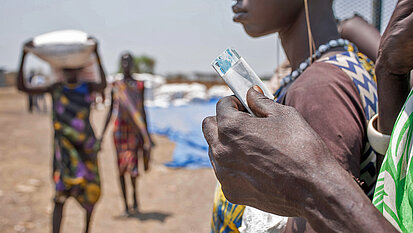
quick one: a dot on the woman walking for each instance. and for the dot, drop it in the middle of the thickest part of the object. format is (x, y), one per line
(75, 164)
(130, 133)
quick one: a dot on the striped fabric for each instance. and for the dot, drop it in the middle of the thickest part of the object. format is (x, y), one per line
(357, 67)
(394, 190)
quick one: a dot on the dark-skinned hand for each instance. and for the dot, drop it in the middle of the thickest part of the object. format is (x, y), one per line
(394, 63)
(396, 45)
(27, 45)
(272, 161)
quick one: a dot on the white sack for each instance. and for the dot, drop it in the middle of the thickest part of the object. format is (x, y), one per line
(64, 49)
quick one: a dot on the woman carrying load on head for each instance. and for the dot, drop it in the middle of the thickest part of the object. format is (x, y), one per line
(75, 164)
(130, 133)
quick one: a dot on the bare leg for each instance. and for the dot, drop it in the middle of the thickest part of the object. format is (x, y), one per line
(146, 158)
(88, 218)
(135, 195)
(57, 216)
(123, 187)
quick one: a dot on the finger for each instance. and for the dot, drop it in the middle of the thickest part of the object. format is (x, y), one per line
(259, 104)
(402, 10)
(212, 159)
(240, 106)
(229, 107)
(210, 130)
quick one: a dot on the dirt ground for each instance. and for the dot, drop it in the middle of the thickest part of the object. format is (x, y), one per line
(171, 200)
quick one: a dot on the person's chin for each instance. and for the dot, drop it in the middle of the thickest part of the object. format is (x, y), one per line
(255, 32)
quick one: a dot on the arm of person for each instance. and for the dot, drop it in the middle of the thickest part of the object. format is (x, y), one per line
(328, 100)
(394, 63)
(21, 84)
(99, 87)
(143, 107)
(144, 115)
(273, 162)
(364, 35)
(109, 115)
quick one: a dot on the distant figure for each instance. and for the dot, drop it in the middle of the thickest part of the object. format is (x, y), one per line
(30, 97)
(130, 131)
(75, 167)
(38, 99)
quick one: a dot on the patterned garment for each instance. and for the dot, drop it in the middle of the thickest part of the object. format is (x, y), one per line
(75, 165)
(359, 68)
(394, 189)
(226, 217)
(361, 71)
(130, 132)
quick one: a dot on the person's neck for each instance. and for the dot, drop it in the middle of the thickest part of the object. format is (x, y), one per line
(294, 39)
(127, 76)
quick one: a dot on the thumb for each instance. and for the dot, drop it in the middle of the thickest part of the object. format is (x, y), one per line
(259, 104)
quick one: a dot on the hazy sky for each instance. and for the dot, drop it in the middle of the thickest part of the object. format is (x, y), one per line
(182, 35)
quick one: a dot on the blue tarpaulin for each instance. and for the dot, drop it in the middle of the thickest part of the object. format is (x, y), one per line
(183, 126)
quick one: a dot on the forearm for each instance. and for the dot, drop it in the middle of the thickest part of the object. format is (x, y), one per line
(20, 76)
(102, 84)
(393, 90)
(341, 206)
(143, 108)
(363, 34)
(112, 103)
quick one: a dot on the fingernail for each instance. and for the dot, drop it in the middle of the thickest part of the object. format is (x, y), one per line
(258, 89)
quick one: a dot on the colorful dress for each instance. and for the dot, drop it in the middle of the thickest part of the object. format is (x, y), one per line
(394, 190)
(75, 164)
(360, 70)
(130, 132)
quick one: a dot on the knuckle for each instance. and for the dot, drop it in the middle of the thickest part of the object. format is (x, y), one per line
(218, 153)
(222, 102)
(291, 111)
(230, 126)
(206, 122)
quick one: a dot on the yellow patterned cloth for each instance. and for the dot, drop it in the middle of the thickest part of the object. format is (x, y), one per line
(226, 217)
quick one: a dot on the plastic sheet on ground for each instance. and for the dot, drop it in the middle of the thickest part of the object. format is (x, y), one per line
(183, 126)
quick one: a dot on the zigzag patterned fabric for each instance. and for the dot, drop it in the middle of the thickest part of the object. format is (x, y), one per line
(393, 196)
(361, 71)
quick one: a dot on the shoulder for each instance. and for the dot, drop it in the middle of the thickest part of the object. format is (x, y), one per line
(321, 76)
(328, 99)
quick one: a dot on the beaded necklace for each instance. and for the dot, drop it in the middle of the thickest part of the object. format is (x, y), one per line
(322, 49)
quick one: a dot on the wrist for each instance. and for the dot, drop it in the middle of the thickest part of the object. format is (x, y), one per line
(338, 201)
(386, 72)
(392, 90)
(341, 206)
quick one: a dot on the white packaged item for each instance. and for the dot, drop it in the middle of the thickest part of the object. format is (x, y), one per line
(238, 75)
(257, 221)
(64, 49)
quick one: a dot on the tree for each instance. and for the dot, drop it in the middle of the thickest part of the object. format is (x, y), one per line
(143, 64)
